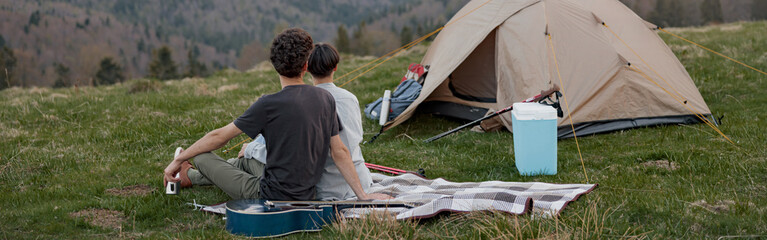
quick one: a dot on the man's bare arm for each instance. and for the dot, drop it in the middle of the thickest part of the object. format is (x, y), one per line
(343, 161)
(213, 140)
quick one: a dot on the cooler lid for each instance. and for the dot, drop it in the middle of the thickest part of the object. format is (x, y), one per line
(533, 111)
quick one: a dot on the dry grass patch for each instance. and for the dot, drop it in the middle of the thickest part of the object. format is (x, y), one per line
(717, 207)
(129, 191)
(227, 88)
(7, 133)
(53, 96)
(202, 89)
(262, 66)
(376, 225)
(101, 217)
(144, 85)
(664, 164)
(721, 27)
(688, 51)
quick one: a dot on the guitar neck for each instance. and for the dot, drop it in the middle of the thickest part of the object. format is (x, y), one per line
(347, 204)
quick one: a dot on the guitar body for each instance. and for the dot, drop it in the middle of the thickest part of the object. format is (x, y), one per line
(256, 218)
(264, 218)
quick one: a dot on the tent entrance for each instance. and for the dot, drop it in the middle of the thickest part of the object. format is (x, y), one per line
(475, 80)
(471, 88)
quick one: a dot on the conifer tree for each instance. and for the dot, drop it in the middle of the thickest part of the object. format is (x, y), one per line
(162, 66)
(667, 13)
(34, 19)
(195, 68)
(362, 45)
(109, 72)
(342, 40)
(62, 76)
(711, 11)
(406, 35)
(7, 63)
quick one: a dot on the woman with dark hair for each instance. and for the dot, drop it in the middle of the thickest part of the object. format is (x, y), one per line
(323, 63)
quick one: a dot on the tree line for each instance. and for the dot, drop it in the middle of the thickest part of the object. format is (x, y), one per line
(364, 41)
(162, 67)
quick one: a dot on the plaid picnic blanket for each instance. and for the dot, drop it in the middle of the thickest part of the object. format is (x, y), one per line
(433, 196)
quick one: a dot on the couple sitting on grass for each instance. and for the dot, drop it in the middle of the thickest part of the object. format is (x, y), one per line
(311, 135)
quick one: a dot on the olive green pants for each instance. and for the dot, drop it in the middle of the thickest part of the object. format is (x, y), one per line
(240, 178)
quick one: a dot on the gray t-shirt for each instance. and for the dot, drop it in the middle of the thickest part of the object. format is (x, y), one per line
(332, 185)
(297, 123)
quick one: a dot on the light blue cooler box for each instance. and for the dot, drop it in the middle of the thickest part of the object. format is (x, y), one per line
(535, 138)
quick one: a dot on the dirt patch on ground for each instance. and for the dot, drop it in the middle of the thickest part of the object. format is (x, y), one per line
(129, 191)
(717, 207)
(101, 217)
(664, 164)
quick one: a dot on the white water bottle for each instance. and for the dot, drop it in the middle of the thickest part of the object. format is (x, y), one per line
(385, 108)
(172, 187)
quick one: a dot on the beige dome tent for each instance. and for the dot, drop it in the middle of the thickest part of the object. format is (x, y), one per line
(497, 52)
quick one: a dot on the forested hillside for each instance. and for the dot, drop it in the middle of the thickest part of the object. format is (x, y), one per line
(70, 42)
(52, 41)
(66, 40)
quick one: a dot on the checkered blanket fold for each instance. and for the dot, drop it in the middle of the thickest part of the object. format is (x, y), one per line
(433, 196)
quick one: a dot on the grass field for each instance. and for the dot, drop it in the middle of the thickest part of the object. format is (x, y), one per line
(87, 162)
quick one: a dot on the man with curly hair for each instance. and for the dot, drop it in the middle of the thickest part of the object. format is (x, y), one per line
(300, 126)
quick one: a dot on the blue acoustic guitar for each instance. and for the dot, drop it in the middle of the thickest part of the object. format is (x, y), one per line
(264, 218)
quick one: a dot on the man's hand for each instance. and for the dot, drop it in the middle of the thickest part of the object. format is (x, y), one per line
(170, 172)
(242, 150)
(377, 196)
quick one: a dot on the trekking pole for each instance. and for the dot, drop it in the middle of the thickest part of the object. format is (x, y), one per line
(420, 172)
(537, 98)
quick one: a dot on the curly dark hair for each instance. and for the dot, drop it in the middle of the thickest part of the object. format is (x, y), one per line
(290, 51)
(323, 60)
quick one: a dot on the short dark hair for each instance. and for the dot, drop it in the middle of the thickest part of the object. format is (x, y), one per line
(323, 60)
(290, 51)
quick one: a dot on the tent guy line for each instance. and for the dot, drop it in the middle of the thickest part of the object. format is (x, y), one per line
(564, 95)
(567, 105)
(685, 105)
(712, 51)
